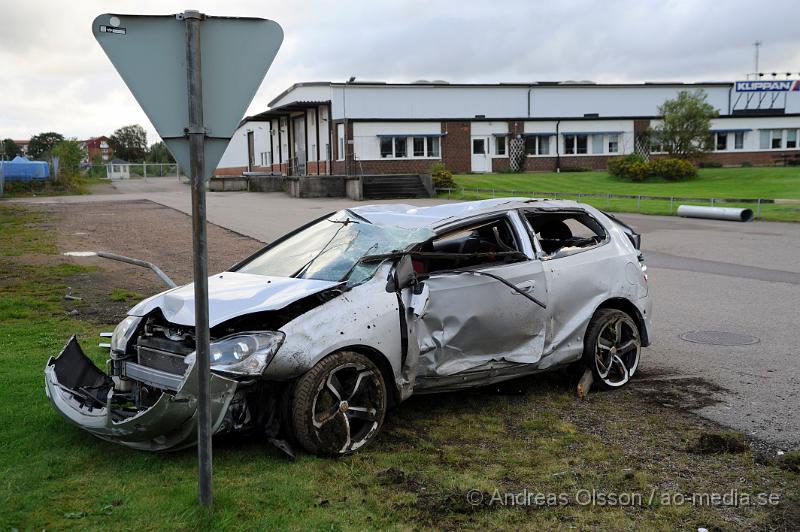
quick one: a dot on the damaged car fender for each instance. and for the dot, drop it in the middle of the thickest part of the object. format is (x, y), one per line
(364, 316)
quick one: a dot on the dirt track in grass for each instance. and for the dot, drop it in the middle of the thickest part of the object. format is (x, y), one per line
(138, 229)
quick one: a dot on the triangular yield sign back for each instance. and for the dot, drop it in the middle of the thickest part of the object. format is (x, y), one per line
(149, 52)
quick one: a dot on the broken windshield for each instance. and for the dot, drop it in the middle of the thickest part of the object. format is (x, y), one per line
(331, 249)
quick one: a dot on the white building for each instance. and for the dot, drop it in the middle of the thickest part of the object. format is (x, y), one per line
(376, 127)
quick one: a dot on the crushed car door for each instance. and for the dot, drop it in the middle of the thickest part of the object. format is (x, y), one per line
(485, 299)
(581, 272)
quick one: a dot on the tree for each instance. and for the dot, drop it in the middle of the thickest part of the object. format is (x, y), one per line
(42, 144)
(69, 155)
(129, 143)
(10, 149)
(685, 130)
(159, 153)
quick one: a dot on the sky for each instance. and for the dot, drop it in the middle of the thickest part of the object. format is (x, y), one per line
(55, 77)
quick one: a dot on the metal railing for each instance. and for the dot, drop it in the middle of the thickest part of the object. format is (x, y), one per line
(670, 203)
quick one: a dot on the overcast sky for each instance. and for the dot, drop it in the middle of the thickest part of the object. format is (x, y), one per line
(55, 77)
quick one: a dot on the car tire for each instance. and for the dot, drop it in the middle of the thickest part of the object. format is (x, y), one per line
(612, 348)
(339, 405)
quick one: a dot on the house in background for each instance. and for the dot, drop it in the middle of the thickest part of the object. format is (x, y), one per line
(23, 146)
(97, 146)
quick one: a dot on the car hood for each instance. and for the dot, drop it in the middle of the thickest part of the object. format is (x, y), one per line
(231, 294)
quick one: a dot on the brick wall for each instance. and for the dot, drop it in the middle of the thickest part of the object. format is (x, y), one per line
(395, 166)
(314, 166)
(231, 170)
(456, 148)
(757, 158)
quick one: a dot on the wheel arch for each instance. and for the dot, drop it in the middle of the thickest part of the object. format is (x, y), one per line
(626, 306)
(385, 367)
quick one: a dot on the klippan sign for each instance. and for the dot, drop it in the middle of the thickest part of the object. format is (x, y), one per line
(784, 85)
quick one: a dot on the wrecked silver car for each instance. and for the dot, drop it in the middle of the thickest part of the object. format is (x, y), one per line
(315, 336)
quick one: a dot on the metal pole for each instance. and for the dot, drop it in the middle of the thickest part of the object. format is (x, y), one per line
(758, 209)
(196, 133)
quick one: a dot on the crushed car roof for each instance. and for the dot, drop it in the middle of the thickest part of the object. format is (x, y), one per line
(405, 215)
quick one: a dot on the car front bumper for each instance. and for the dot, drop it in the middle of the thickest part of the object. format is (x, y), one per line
(84, 395)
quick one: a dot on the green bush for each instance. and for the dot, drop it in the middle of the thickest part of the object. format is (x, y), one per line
(747, 164)
(634, 168)
(672, 168)
(442, 178)
(710, 164)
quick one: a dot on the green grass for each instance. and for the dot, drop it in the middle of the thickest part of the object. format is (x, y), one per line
(431, 452)
(79, 185)
(124, 295)
(762, 182)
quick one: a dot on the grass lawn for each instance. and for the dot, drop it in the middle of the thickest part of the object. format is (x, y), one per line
(81, 185)
(762, 182)
(431, 452)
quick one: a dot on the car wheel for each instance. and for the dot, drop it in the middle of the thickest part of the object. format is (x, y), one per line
(612, 348)
(339, 405)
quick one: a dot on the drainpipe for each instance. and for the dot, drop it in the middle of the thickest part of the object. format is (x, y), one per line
(529, 100)
(558, 151)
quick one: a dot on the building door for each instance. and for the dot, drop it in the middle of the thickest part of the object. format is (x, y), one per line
(251, 151)
(299, 137)
(481, 159)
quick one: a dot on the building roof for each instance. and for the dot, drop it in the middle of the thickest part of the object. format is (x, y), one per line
(537, 84)
(282, 110)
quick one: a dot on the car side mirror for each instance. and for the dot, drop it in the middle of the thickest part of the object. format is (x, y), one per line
(404, 274)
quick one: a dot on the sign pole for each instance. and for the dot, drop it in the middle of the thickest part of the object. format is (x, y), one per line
(196, 134)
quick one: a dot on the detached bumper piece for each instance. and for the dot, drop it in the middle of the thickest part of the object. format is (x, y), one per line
(85, 395)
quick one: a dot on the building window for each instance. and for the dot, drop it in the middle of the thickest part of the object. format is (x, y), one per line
(575, 144)
(597, 143)
(777, 138)
(763, 139)
(433, 146)
(722, 142)
(400, 147)
(791, 139)
(386, 147)
(478, 147)
(544, 145)
(312, 155)
(738, 140)
(419, 146)
(536, 145)
(340, 141)
(530, 145)
(500, 145)
(613, 143)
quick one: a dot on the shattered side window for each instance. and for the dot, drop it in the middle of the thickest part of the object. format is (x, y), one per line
(331, 249)
(564, 233)
(481, 243)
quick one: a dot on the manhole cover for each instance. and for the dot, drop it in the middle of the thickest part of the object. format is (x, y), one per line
(719, 338)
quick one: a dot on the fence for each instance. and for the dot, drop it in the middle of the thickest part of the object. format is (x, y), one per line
(125, 171)
(640, 203)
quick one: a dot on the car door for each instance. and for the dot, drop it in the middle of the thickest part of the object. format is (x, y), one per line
(576, 258)
(481, 315)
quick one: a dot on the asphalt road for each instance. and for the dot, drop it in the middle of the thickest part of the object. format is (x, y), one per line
(705, 275)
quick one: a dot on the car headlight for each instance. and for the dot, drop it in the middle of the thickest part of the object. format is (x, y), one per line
(244, 353)
(123, 332)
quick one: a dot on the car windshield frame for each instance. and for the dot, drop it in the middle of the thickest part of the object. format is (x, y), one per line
(331, 248)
